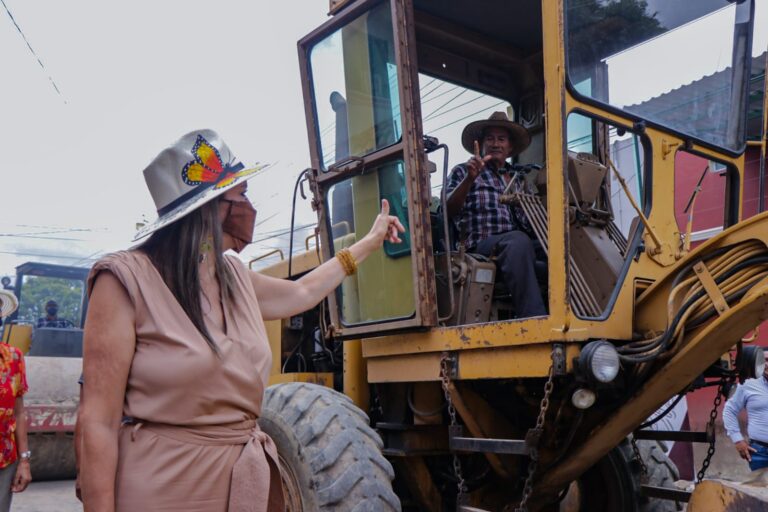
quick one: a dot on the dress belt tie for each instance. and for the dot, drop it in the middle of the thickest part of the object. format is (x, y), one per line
(255, 484)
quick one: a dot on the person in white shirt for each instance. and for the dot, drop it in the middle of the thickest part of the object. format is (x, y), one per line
(752, 396)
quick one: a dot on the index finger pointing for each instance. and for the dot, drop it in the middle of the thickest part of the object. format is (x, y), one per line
(477, 149)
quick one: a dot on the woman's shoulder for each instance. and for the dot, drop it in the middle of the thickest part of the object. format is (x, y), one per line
(125, 256)
(123, 264)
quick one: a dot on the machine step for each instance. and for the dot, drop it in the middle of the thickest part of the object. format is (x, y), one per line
(686, 436)
(665, 493)
(457, 442)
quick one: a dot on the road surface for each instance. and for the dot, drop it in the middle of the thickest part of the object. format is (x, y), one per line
(56, 496)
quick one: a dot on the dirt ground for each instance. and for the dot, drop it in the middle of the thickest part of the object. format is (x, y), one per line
(56, 496)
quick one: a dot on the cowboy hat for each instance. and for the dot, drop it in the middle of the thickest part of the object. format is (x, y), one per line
(8, 303)
(519, 138)
(194, 170)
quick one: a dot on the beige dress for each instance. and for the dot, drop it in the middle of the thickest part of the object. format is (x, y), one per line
(194, 444)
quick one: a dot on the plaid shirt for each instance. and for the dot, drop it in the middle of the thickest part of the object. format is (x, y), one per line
(482, 214)
(57, 324)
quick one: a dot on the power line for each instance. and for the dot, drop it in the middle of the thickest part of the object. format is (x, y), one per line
(434, 113)
(467, 116)
(29, 236)
(432, 90)
(441, 94)
(427, 84)
(41, 255)
(33, 51)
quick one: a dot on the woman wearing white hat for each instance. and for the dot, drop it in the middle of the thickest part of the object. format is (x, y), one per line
(15, 474)
(176, 356)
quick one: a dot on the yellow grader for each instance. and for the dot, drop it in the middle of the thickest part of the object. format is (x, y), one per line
(54, 361)
(416, 386)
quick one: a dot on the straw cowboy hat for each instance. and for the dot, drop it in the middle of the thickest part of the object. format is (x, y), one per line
(8, 303)
(519, 137)
(191, 172)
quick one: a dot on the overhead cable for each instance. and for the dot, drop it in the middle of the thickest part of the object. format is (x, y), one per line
(50, 78)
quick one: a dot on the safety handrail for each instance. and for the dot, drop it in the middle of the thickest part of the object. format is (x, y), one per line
(265, 255)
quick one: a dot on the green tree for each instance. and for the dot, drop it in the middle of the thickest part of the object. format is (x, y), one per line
(599, 28)
(37, 290)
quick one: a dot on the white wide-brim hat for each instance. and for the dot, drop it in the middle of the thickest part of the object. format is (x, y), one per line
(191, 172)
(8, 303)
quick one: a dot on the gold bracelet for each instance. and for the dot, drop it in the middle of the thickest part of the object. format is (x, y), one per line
(347, 261)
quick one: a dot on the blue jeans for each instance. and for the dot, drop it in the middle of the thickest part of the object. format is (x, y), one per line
(759, 458)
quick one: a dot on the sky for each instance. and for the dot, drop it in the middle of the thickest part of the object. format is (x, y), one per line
(133, 77)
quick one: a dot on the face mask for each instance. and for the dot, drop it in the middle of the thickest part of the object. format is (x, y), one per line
(52, 311)
(240, 222)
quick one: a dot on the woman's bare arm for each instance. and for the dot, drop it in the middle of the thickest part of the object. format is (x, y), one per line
(108, 345)
(282, 298)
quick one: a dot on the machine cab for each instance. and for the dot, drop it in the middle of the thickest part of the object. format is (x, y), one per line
(616, 125)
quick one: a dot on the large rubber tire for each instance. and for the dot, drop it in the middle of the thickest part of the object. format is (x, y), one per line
(614, 482)
(662, 472)
(330, 457)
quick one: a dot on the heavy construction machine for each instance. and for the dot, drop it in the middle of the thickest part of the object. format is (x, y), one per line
(53, 357)
(416, 386)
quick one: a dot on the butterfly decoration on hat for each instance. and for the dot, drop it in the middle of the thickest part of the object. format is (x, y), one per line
(207, 167)
(180, 185)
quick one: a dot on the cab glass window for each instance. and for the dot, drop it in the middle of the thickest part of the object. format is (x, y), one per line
(605, 176)
(383, 287)
(36, 291)
(700, 197)
(355, 88)
(677, 63)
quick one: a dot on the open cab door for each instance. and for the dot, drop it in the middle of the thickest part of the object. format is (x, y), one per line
(358, 84)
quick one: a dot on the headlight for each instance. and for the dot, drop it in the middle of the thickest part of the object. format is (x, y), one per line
(583, 398)
(752, 362)
(600, 361)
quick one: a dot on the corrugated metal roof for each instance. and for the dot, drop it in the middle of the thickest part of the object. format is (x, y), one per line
(700, 105)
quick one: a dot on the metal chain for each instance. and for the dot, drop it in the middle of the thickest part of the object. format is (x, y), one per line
(461, 485)
(638, 457)
(532, 439)
(711, 430)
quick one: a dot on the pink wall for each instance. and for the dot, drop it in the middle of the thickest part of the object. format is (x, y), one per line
(708, 213)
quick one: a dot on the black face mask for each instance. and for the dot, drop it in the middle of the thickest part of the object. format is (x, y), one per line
(52, 311)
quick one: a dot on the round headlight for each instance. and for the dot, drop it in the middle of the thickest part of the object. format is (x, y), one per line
(583, 398)
(600, 360)
(751, 364)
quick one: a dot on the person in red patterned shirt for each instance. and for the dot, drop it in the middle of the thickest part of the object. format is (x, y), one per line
(15, 474)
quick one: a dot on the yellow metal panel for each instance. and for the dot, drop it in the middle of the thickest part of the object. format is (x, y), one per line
(323, 379)
(355, 379)
(722, 496)
(275, 337)
(521, 332)
(411, 368)
(554, 101)
(487, 363)
(19, 336)
(510, 362)
(302, 263)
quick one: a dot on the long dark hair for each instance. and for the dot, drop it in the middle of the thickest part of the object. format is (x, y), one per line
(175, 251)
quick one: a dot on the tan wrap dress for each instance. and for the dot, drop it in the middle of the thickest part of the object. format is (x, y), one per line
(194, 444)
